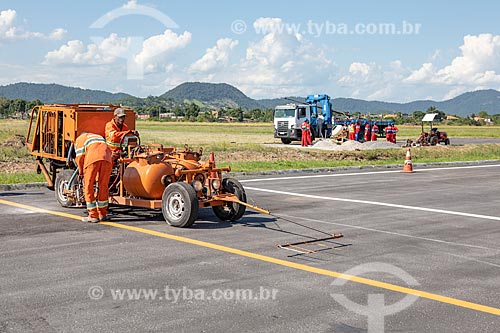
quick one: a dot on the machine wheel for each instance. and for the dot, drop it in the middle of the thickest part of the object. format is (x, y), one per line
(62, 180)
(231, 211)
(179, 205)
(286, 141)
(447, 141)
(433, 141)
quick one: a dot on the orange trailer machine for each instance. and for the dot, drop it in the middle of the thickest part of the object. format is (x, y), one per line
(150, 176)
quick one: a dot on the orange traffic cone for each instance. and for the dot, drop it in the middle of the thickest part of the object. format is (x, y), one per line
(408, 166)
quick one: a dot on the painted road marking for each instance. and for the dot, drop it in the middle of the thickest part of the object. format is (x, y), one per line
(363, 173)
(376, 203)
(285, 263)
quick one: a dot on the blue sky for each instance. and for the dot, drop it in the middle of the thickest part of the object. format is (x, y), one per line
(377, 50)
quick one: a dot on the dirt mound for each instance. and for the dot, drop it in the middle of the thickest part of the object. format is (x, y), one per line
(353, 145)
(17, 141)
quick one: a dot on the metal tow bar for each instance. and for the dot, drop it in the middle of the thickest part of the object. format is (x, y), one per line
(295, 246)
(289, 246)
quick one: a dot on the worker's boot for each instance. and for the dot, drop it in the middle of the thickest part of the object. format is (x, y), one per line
(90, 219)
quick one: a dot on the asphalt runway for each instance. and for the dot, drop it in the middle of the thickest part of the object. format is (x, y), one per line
(420, 253)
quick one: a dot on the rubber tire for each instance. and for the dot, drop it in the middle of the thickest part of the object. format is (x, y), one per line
(179, 205)
(62, 180)
(231, 211)
(433, 141)
(447, 141)
(286, 141)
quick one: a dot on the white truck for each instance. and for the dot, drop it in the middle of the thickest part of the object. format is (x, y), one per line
(287, 121)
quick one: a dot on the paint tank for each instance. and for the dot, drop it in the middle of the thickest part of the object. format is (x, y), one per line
(142, 178)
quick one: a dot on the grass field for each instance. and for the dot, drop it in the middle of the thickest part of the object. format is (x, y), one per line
(244, 147)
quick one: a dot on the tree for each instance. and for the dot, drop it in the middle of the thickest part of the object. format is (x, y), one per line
(418, 115)
(483, 114)
(441, 115)
(192, 111)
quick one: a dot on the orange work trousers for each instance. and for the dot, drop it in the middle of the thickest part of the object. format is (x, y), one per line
(99, 171)
(306, 138)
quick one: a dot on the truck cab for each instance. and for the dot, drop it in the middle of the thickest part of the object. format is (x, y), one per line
(287, 120)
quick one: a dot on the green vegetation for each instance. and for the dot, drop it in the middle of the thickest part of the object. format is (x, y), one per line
(217, 94)
(191, 98)
(21, 178)
(55, 93)
(246, 147)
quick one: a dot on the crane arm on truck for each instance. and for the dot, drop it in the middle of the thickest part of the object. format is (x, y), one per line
(326, 109)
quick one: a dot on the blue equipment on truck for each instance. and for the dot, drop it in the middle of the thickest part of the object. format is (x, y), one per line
(287, 118)
(326, 111)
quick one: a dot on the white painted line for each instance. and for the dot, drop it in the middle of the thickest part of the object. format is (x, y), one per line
(473, 259)
(367, 202)
(392, 233)
(364, 173)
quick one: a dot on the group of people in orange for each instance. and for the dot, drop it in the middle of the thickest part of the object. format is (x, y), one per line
(390, 133)
(95, 156)
(355, 132)
(370, 132)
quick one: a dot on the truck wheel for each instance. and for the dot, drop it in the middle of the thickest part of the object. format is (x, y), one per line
(179, 205)
(447, 141)
(62, 180)
(231, 211)
(286, 141)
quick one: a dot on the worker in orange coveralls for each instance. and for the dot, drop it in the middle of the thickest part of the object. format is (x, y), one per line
(367, 132)
(357, 131)
(351, 131)
(95, 162)
(306, 133)
(115, 130)
(388, 133)
(374, 132)
(394, 133)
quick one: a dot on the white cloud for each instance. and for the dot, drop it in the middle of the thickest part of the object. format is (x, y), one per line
(278, 63)
(426, 72)
(373, 81)
(156, 49)
(132, 4)
(9, 31)
(7, 18)
(152, 51)
(215, 57)
(57, 34)
(75, 52)
(479, 63)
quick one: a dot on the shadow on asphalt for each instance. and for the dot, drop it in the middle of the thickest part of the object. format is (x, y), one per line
(15, 194)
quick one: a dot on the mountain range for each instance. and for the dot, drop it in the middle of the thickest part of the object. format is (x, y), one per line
(217, 95)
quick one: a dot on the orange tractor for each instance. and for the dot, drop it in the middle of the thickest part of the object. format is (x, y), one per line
(149, 176)
(434, 136)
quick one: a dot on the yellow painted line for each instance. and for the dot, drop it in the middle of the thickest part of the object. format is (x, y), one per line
(285, 263)
(40, 210)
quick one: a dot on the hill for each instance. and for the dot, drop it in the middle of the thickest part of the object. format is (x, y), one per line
(462, 105)
(214, 95)
(217, 95)
(55, 93)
